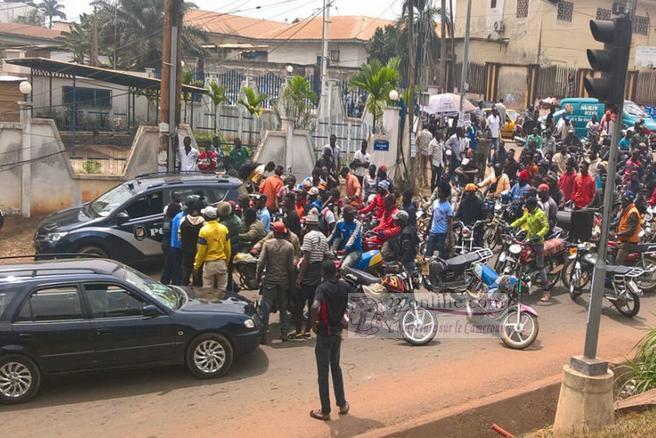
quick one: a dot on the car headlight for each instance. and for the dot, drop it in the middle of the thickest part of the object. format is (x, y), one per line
(249, 323)
(55, 237)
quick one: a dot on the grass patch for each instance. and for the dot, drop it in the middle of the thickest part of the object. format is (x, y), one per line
(634, 424)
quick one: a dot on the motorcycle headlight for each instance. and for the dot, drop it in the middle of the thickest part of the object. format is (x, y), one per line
(249, 323)
(55, 237)
(515, 249)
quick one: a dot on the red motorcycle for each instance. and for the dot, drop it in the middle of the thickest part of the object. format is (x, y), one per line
(520, 259)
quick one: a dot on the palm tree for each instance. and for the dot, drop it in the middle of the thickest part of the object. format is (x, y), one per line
(377, 80)
(427, 41)
(33, 18)
(218, 96)
(296, 94)
(189, 78)
(51, 8)
(78, 39)
(252, 101)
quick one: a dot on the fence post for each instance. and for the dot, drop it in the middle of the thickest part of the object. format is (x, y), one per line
(348, 134)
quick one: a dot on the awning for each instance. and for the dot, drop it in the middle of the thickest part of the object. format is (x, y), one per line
(70, 69)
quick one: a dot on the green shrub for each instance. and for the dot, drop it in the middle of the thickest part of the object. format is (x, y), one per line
(91, 167)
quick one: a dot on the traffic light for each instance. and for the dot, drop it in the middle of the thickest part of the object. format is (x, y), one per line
(610, 63)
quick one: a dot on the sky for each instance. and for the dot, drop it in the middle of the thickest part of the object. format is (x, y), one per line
(275, 9)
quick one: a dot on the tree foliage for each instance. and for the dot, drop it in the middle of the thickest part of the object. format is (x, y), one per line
(252, 101)
(296, 95)
(50, 9)
(33, 17)
(377, 80)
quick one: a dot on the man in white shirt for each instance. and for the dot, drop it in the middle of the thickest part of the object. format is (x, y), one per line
(423, 147)
(335, 151)
(361, 161)
(188, 156)
(437, 158)
(501, 109)
(494, 125)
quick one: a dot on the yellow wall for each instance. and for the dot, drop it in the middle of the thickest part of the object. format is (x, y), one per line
(539, 38)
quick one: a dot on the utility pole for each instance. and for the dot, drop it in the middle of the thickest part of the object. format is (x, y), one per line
(443, 45)
(324, 59)
(412, 53)
(169, 96)
(94, 38)
(465, 68)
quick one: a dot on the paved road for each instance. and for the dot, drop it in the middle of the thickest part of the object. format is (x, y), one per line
(271, 391)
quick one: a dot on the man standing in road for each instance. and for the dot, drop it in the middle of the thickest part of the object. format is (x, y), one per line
(270, 188)
(277, 258)
(328, 308)
(494, 125)
(213, 252)
(335, 152)
(584, 187)
(423, 151)
(501, 110)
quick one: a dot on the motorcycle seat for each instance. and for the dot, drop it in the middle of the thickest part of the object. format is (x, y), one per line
(462, 261)
(362, 277)
(618, 270)
(553, 246)
(640, 247)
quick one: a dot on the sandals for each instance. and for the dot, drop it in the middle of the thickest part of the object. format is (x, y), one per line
(318, 415)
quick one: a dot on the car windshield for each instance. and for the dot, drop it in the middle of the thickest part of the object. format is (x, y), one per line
(633, 109)
(162, 293)
(110, 201)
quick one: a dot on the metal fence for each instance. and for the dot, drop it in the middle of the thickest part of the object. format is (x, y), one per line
(645, 92)
(349, 133)
(556, 81)
(477, 77)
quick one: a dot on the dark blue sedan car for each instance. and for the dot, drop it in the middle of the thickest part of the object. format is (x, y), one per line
(68, 316)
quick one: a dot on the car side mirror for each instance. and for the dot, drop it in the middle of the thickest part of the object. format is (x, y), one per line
(151, 311)
(122, 217)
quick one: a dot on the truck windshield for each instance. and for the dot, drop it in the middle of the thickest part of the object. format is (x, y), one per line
(633, 109)
(111, 200)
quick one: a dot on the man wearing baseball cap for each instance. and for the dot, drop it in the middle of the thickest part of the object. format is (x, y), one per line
(213, 251)
(277, 258)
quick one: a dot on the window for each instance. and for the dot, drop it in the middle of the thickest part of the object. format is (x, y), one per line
(603, 14)
(334, 55)
(522, 8)
(146, 205)
(493, 4)
(641, 25)
(95, 97)
(5, 298)
(112, 301)
(184, 192)
(52, 304)
(565, 11)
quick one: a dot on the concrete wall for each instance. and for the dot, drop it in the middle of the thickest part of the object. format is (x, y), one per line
(306, 53)
(539, 38)
(293, 150)
(54, 185)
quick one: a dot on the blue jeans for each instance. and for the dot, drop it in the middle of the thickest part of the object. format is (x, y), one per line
(351, 259)
(274, 293)
(327, 352)
(436, 241)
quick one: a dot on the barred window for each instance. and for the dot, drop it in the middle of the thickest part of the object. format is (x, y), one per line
(641, 25)
(522, 8)
(603, 14)
(565, 11)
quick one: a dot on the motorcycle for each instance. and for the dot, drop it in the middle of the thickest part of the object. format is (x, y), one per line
(454, 275)
(245, 265)
(520, 259)
(390, 300)
(500, 297)
(621, 289)
(465, 236)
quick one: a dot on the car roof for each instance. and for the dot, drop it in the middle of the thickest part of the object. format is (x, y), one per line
(144, 182)
(59, 268)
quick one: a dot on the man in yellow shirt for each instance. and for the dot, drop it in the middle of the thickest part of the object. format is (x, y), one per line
(497, 181)
(213, 251)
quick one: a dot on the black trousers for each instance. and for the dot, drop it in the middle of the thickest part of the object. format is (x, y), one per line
(188, 269)
(327, 352)
(435, 176)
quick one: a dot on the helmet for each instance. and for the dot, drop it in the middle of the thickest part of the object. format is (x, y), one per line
(543, 188)
(401, 216)
(629, 196)
(471, 187)
(506, 197)
(279, 227)
(194, 202)
(384, 184)
(523, 175)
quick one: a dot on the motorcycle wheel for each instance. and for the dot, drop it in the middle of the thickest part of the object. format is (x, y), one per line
(491, 237)
(649, 284)
(552, 279)
(575, 279)
(418, 326)
(519, 338)
(628, 304)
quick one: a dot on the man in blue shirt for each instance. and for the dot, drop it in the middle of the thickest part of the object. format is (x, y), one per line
(625, 142)
(519, 190)
(263, 214)
(441, 229)
(347, 237)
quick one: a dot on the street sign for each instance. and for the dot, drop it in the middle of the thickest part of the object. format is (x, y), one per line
(381, 144)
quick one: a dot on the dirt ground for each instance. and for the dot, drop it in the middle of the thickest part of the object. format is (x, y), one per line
(16, 237)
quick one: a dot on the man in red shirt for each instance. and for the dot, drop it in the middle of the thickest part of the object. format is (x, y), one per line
(567, 180)
(377, 205)
(353, 188)
(270, 188)
(207, 160)
(584, 187)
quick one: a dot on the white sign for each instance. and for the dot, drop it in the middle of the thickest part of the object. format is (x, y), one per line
(645, 56)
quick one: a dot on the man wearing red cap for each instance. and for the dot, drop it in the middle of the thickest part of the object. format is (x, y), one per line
(584, 187)
(519, 190)
(548, 205)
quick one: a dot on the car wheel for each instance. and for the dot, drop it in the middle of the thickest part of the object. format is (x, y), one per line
(95, 251)
(20, 379)
(209, 355)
